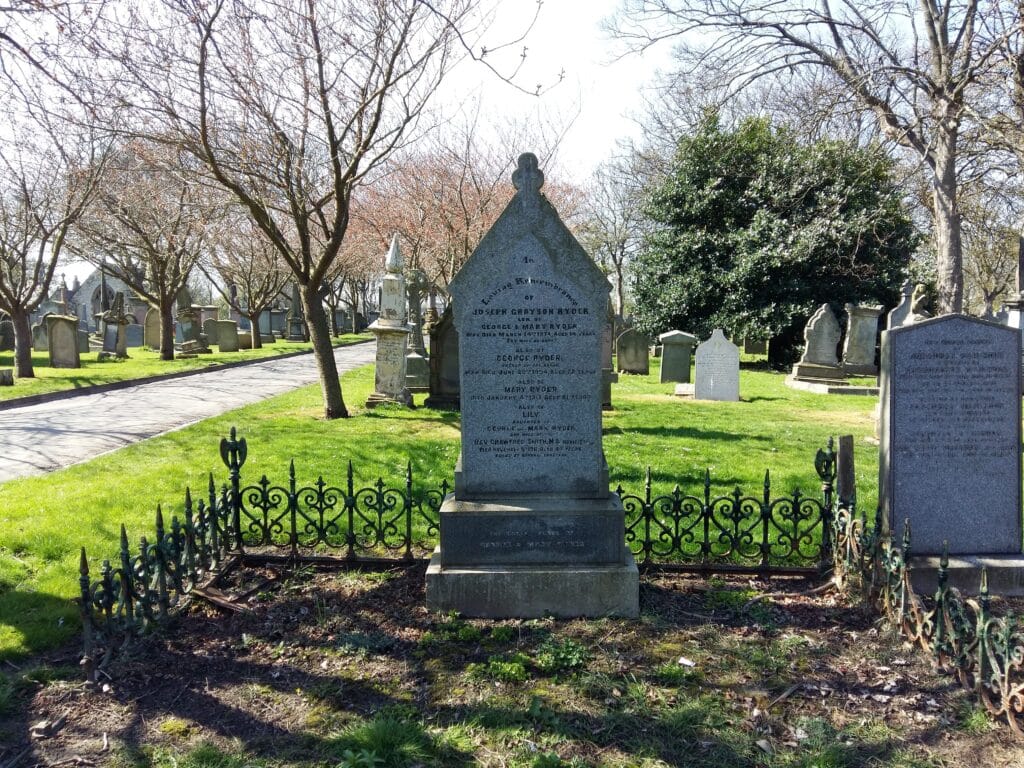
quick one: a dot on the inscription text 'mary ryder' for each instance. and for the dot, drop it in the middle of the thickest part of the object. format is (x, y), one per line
(531, 527)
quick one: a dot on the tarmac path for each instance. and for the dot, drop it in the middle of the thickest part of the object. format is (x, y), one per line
(36, 439)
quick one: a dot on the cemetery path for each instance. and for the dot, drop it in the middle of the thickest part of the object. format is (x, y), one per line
(37, 439)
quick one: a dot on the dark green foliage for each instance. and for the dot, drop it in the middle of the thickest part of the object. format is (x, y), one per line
(752, 230)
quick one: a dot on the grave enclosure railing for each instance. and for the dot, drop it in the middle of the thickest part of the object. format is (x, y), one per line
(352, 525)
(985, 652)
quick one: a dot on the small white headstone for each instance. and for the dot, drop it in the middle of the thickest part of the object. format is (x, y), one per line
(718, 369)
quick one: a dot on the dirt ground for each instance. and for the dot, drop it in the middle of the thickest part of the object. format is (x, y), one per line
(350, 669)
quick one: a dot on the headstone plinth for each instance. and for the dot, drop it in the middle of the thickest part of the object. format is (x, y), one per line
(531, 528)
(677, 348)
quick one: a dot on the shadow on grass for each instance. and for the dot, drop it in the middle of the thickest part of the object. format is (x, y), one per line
(691, 433)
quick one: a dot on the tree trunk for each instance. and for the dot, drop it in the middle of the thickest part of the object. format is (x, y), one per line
(320, 335)
(620, 299)
(22, 345)
(949, 268)
(254, 330)
(167, 329)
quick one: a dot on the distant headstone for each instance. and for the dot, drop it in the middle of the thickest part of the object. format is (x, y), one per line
(861, 338)
(821, 338)
(677, 347)
(210, 329)
(110, 334)
(62, 332)
(296, 321)
(6, 336)
(633, 349)
(717, 375)
(39, 340)
(133, 335)
(151, 329)
(83, 341)
(532, 527)
(755, 346)
(950, 452)
(444, 363)
(900, 314)
(245, 339)
(6, 377)
(226, 333)
(392, 332)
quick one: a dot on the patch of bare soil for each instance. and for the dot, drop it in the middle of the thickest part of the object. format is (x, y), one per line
(705, 677)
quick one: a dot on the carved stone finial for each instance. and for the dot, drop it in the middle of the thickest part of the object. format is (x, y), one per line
(527, 178)
(393, 263)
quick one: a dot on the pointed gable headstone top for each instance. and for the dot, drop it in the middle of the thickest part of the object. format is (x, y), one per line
(393, 264)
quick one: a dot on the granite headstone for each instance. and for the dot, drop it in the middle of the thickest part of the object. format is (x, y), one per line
(821, 340)
(717, 375)
(677, 347)
(632, 350)
(151, 329)
(62, 333)
(861, 340)
(227, 335)
(532, 527)
(950, 452)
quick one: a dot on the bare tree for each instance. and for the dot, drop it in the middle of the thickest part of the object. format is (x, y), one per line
(288, 104)
(613, 222)
(149, 225)
(246, 269)
(49, 164)
(910, 64)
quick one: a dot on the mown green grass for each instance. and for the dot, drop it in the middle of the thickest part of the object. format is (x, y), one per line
(141, 362)
(45, 520)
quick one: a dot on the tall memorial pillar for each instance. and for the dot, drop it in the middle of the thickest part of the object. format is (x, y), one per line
(392, 332)
(531, 528)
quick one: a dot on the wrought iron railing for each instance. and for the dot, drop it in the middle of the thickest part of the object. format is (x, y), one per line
(984, 652)
(352, 524)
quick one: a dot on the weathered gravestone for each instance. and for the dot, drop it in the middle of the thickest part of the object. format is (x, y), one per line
(39, 341)
(133, 335)
(531, 528)
(861, 339)
(151, 329)
(677, 346)
(821, 338)
(210, 329)
(717, 375)
(245, 339)
(755, 346)
(62, 333)
(950, 452)
(227, 335)
(632, 350)
(83, 341)
(444, 363)
(900, 314)
(392, 332)
(6, 377)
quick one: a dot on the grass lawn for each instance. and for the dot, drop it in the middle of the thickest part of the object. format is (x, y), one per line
(141, 362)
(45, 520)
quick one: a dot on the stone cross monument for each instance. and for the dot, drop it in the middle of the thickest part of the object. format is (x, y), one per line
(392, 332)
(532, 527)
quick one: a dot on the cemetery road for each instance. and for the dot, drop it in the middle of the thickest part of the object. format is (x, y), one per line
(36, 439)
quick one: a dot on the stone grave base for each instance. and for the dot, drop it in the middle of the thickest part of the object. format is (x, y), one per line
(1005, 574)
(684, 390)
(534, 591)
(379, 398)
(815, 372)
(851, 369)
(838, 387)
(111, 356)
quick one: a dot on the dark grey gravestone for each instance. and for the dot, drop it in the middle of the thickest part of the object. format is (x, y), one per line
(677, 349)
(633, 350)
(846, 475)
(444, 364)
(6, 336)
(83, 341)
(532, 527)
(950, 453)
(133, 335)
(110, 334)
